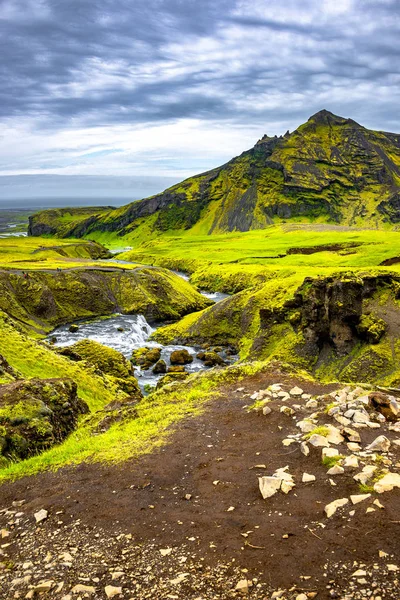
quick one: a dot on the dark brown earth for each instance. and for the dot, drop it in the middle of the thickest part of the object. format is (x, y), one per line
(285, 542)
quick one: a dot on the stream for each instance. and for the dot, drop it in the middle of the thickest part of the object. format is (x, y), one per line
(126, 333)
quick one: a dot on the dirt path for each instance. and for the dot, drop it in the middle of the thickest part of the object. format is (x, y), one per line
(197, 499)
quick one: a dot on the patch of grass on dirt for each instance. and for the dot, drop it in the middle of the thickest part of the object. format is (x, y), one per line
(141, 435)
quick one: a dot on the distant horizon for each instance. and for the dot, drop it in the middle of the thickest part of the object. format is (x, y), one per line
(46, 191)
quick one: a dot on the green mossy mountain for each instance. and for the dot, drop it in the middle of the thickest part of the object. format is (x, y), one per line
(330, 169)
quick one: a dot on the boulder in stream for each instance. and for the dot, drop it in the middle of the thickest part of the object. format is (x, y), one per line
(181, 357)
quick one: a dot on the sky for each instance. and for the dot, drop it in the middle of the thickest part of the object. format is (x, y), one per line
(102, 96)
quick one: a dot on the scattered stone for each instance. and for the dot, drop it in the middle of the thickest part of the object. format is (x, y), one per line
(387, 483)
(296, 391)
(44, 586)
(41, 515)
(318, 441)
(359, 498)
(112, 591)
(332, 507)
(83, 589)
(335, 470)
(307, 478)
(243, 586)
(266, 410)
(380, 444)
(165, 551)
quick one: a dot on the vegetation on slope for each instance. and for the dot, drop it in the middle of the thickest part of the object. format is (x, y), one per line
(42, 299)
(329, 170)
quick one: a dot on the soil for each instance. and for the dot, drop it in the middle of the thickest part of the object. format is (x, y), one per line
(178, 498)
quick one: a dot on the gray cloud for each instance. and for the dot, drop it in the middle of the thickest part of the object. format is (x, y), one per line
(66, 65)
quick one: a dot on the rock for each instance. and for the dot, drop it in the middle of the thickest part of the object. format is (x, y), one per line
(355, 499)
(266, 410)
(212, 359)
(243, 586)
(380, 444)
(351, 434)
(160, 367)
(318, 441)
(334, 436)
(145, 357)
(171, 378)
(385, 405)
(181, 357)
(332, 507)
(165, 551)
(296, 391)
(307, 478)
(304, 449)
(83, 589)
(41, 515)
(73, 328)
(305, 426)
(387, 483)
(287, 410)
(360, 416)
(366, 474)
(269, 486)
(112, 591)
(108, 361)
(311, 404)
(36, 414)
(351, 462)
(176, 369)
(44, 586)
(329, 453)
(335, 470)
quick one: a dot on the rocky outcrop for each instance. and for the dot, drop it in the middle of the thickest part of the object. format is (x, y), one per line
(107, 361)
(36, 414)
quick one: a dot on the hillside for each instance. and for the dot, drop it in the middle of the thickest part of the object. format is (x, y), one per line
(329, 170)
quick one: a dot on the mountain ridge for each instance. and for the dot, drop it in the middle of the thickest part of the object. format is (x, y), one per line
(330, 169)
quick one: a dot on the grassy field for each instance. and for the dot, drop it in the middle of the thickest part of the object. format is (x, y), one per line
(26, 253)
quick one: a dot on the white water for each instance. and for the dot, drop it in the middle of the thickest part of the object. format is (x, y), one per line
(135, 334)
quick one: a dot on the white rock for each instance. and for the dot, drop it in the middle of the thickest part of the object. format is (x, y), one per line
(356, 498)
(112, 591)
(83, 589)
(332, 507)
(44, 586)
(342, 420)
(359, 573)
(360, 417)
(266, 410)
(275, 387)
(353, 447)
(387, 483)
(329, 453)
(41, 515)
(302, 597)
(334, 436)
(165, 551)
(304, 449)
(335, 470)
(269, 486)
(380, 444)
(307, 478)
(243, 586)
(296, 391)
(351, 462)
(365, 474)
(319, 441)
(305, 426)
(311, 404)
(287, 486)
(288, 442)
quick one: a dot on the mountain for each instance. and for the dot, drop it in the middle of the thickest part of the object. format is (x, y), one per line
(330, 169)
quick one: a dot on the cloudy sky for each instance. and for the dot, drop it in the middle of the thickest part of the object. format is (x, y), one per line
(162, 89)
